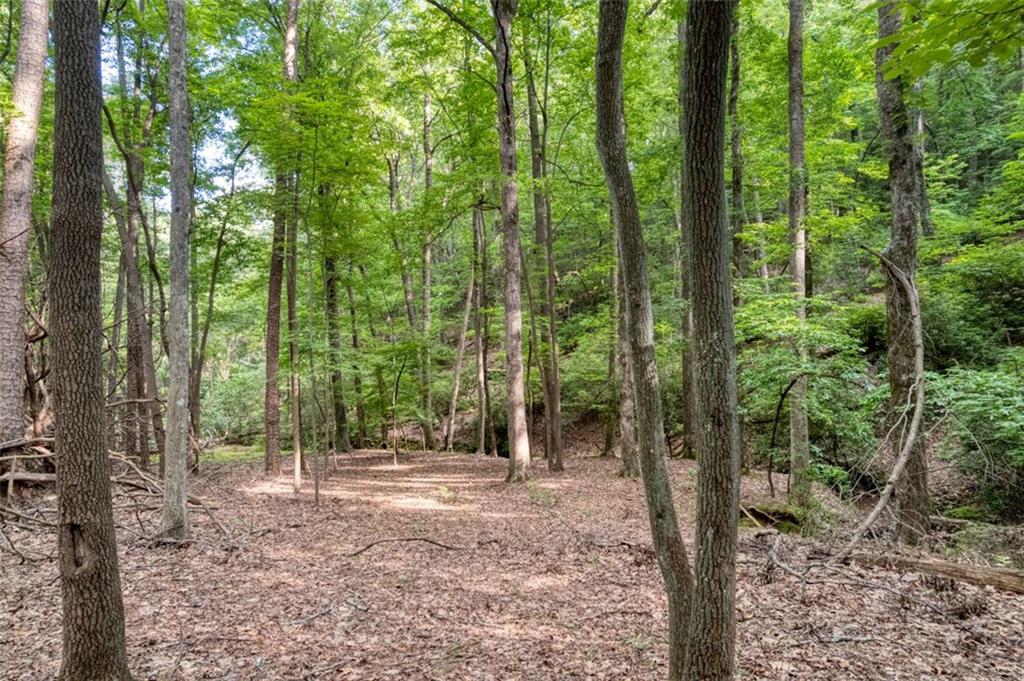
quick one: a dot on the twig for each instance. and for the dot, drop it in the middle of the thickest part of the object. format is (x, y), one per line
(426, 540)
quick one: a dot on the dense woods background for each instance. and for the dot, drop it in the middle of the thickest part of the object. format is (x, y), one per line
(313, 241)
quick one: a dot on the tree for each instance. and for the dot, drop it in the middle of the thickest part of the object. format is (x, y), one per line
(518, 440)
(174, 524)
(799, 444)
(16, 221)
(93, 614)
(611, 145)
(712, 625)
(912, 493)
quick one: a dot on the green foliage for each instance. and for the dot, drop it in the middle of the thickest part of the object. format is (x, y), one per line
(985, 409)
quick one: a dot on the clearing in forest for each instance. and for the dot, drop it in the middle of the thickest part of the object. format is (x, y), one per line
(552, 579)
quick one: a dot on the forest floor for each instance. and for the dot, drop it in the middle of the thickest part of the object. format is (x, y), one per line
(552, 579)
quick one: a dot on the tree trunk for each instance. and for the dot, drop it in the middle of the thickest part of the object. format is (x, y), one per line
(518, 439)
(712, 620)
(799, 446)
(174, 522)
(689, 399)
(426, 396)
(292, 260)
(114, 415)
(93, 613)
(357, 380)
(341, 437)
(611, 423)
(927, 228)
(478, 330)
(544, 265)
(16, 221)
(628, 446)
(449, 433)
(611, 144)
(912, 493)
(272, 395)
(736, 148)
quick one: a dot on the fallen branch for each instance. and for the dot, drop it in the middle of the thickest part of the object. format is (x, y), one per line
(1003, 579)
(425, 540)
(915, 422)
(25, 442)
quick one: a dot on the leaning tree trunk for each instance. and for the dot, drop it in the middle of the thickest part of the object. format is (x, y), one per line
(912, 493)
(799, 446)
(93, 614)
(518, 438)
(16, 221)
(712, 623)
(174, 523)
(611, 144)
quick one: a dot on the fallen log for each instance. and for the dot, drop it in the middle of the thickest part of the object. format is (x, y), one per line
(24, 476)
(1004, 579)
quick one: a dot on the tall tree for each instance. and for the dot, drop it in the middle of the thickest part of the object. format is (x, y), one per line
(16, 221)
(799, 445)
(912, 492)
(518, 439)
(689, 399)
(174, 523)
(426, 394)
(712, 626)
(93, 613)
(611, 145)
(291, 76)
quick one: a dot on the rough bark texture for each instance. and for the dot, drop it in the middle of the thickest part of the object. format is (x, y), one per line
(799, 446)
(342, 442)
(712, 623)
(518, 438)
(174, 522)
(93, 614)
(611, 144)
(16, 222)
(912, 501)
(927, 228)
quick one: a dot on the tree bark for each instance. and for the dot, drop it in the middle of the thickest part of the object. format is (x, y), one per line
(342, 441)
(272, 395)
(912, 493)
(689, 399)
(518, 439)
(449, 433)
(712, 621)
(426, 395)
(737, 214)
(16, 221)
(357, 379)
(483, 397)
(628, 446)
(93, 613)
(799, 445)
(544, 259)
(611, 423)
(927, 228)
(174, 522)
(611, 144)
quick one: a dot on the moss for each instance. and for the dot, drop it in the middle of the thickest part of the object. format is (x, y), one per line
(231, 454)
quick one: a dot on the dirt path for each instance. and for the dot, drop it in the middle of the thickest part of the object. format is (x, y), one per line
(548, 580)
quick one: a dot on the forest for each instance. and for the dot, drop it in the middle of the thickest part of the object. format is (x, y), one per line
(512, 339)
